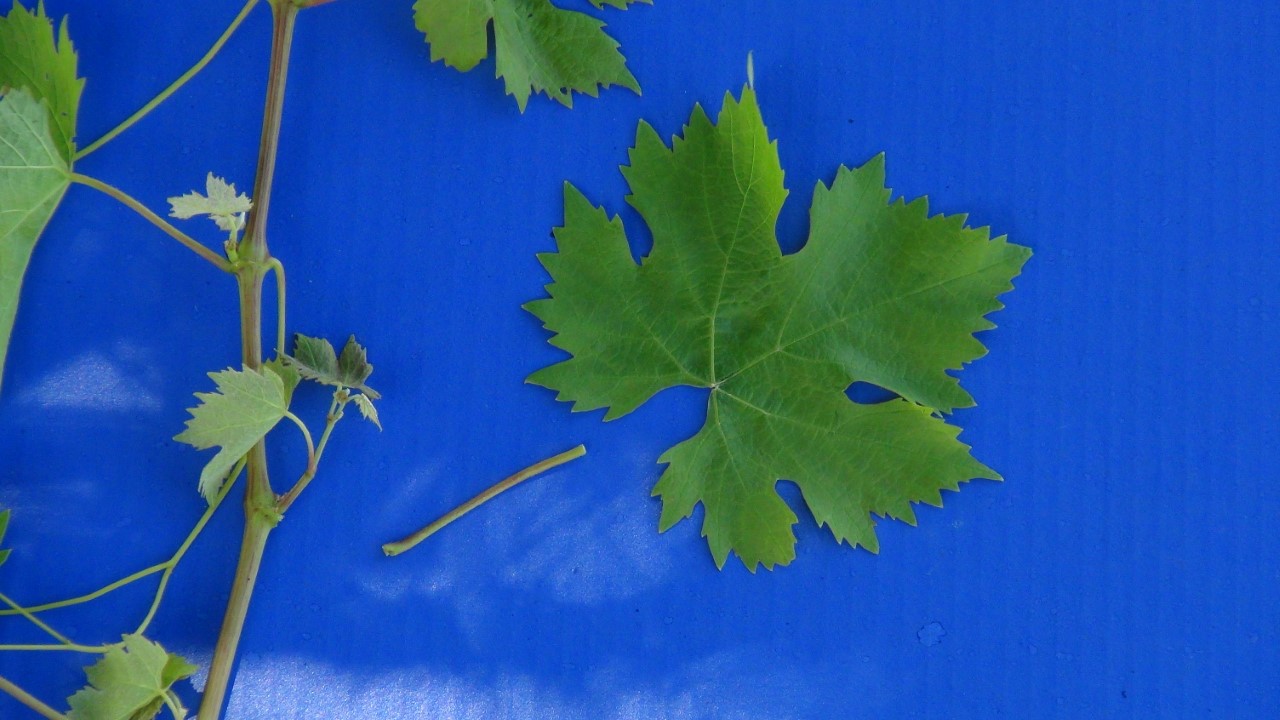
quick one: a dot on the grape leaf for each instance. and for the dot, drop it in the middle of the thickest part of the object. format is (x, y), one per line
(220, 203)
(31, 58)
(33, 179)
(881, 293)
(131, 682)
(245, 407)
(367, 410)
(540, 48)
(315, 360)
(39, 99)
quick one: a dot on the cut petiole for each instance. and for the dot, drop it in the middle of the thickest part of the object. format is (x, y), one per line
(395, 548)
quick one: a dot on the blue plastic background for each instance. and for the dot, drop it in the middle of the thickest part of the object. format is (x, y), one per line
(1126, 568)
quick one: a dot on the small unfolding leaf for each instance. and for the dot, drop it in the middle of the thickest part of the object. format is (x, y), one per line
(31, 57)
(354, 367)
(315, 360)
(881, 293)
(540, 48)
(246, 405)
(131, 682)
(367, 410)
(220, 203)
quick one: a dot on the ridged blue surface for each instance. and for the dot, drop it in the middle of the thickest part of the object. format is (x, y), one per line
(1126, 568)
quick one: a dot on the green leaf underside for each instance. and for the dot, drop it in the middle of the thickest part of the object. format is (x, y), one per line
(540, 48)
(315, 360)
(31, 58)
(881, 293)
(130, 683)
(33, 179)
(245, 407)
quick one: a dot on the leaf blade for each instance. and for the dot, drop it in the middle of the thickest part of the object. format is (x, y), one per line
(246, 405)
(33, 179)
(776, 339)
(540, 48)
(130, 682)
(32, 57)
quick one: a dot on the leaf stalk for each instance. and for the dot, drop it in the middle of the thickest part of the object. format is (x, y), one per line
(30, 700)
(396, 548)
(187, 241)
(174, 86)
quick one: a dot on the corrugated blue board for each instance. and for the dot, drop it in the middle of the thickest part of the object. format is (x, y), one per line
(1126, 568)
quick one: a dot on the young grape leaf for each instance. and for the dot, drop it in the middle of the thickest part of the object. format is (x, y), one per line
(881, 293)
(220, 203)
(4, 527)
(31, 58)
(33, 179)
(540, 48)
(246, 405)
(315, 360)
(131, 682)
(367, 410)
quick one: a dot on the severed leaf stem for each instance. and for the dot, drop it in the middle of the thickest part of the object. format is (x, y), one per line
(396, 548)
(174, 86)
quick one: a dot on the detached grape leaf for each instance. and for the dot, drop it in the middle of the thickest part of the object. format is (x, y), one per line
(315, 360)
(130, 683)
(540, 48)
(220, 203)
(31, 58)
(245, 407)
(39, 98)
(881, 293)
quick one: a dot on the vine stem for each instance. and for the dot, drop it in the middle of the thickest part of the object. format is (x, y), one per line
(259, 501)
(30, 701)
(395, 548)
(173, 232)
(174, 86)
